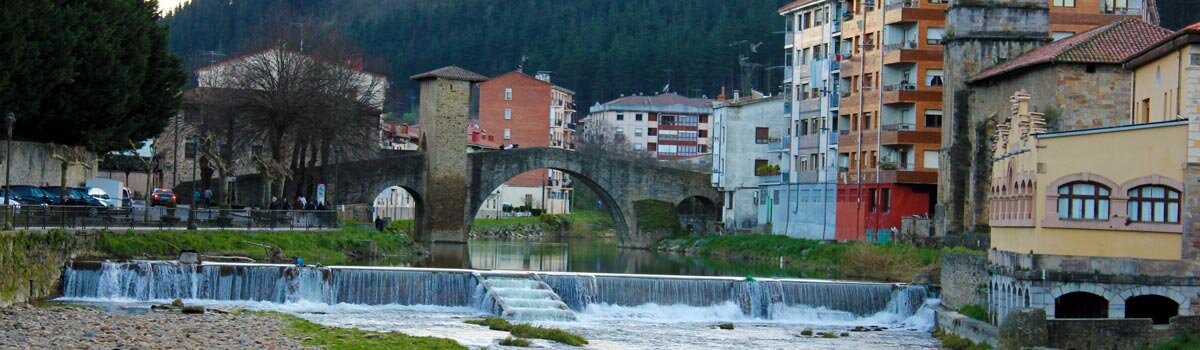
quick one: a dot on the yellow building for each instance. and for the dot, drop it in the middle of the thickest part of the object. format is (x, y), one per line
(1098, 223)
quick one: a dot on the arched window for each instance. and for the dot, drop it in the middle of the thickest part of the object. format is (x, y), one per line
(1154, 204)
(1083, 201)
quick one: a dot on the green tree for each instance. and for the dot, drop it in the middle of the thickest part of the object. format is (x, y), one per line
(95, 73)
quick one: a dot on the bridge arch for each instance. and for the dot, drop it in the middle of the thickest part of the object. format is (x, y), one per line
(617, 182)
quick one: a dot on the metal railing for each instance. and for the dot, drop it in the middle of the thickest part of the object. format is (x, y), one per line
(900, 86)
(781, 144)
(907, 45)
(85, 217)
(899, 127)
(897, 166)
(902, 3)
(844, 132)
(1120, 10)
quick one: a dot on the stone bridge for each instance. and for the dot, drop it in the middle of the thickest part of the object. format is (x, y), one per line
(449, 184)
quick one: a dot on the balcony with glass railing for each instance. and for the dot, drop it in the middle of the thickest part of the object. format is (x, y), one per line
(779, 144)
(891, 4)
(1121, 7)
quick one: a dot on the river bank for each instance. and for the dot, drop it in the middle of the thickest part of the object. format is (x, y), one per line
(74, 327)
(854, 260)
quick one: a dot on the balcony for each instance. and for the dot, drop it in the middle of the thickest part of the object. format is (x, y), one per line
(900, 87)
(891, 4)
(905, 45)
(789, 38)
(787, 108)
(1128, 11)
(900, 127)
(808, 176)
(833, 137)
(779, 144)
(772, 178)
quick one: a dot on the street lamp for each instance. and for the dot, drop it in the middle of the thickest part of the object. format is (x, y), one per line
(9, 121)
(193, 141)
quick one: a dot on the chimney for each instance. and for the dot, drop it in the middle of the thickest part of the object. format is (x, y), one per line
(737, 95)
(721, 97)
(543, 75)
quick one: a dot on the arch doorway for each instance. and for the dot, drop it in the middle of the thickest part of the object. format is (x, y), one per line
(1080, 305)
(1155, 307)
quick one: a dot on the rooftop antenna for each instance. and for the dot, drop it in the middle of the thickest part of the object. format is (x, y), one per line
(301, 25)
(667, 88)
(521, 66)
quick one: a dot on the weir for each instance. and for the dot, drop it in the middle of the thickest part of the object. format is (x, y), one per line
(516, 295)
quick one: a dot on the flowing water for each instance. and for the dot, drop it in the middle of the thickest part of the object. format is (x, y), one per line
(614, 311)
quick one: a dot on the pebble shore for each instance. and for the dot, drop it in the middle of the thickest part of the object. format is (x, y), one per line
(61, 327)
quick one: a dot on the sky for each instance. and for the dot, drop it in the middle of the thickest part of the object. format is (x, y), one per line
(167, 5)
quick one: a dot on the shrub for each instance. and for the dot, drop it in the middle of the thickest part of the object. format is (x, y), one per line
(974, 311)
(517, 342)
(725, 326)
(806, 332)
(529, 331)
(1181, 342)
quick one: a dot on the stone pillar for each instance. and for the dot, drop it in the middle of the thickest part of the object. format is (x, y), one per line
(1191, 193)
(444, 113)
(1024, 328)
(979, 34)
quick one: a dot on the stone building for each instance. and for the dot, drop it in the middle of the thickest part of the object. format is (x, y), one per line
(528, 111)
(978, 36)
(1092, 89)
(1086, 223)
(746, 135)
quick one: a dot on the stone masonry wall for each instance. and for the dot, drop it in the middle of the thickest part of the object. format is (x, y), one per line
(1191, 172)
(31, 264)
(1092, 100)
(979, 34)
(33, 164)
(964, 280)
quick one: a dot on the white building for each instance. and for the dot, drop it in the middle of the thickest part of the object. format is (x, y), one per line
(749, 141)
(669, 126)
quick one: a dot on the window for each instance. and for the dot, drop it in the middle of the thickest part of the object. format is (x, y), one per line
(1154, 204)
(638, 146)
(637, 132)
(871, 200)
(931, 160)
(1196, 59)
(1083, 201)
(804, 57)
(703, 133)
(1064, 3)
(1124, 7)
(1061, 35)
(933, 118)
(934, 36)
(761, 135)
(804, 88)
(507, 134)
(507, 114)
(620, 133)
(933, 77)
(885, 200)
(868, 81)
(620, 117)
(508, 94)
(637, 117)
(867, 121)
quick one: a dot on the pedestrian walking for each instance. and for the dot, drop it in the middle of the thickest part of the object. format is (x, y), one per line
(208, 197)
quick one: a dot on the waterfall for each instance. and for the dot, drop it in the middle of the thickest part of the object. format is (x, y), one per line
(514, 295)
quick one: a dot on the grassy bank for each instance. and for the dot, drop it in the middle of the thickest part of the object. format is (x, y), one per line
(333, 338)
(893, 262)
(329, 248)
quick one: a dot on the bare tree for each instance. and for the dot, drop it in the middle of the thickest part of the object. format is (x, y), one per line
(67, 156)
(301, 102)
(601, 137)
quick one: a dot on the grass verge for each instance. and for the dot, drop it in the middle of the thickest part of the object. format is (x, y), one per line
(954, 342)
(334, 338)
(524, 330)
(891, 262)
(329, 247)
(1181, 342)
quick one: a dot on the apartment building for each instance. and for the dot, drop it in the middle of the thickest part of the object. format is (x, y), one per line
(529, 111)
(812, 46)
(749, 145)
(890, 115)
(668, 125)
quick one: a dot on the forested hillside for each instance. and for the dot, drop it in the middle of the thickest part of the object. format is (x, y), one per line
(598, 48)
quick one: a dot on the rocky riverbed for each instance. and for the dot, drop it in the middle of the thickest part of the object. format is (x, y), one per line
(67, 327)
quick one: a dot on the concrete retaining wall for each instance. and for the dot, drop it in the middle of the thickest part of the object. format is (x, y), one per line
(968, 328)
(31, 264)
(34, 164)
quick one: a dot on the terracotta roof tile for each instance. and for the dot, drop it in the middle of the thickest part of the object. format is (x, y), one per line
(450, 72)
(1108, 44)
(669, 98)
(794, 4)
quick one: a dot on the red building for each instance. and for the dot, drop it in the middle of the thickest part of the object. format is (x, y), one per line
(527, 111)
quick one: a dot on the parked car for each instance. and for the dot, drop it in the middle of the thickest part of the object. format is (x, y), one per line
(162, 196)
(84, 195)
(33, 194)
(66, 197)
(4, 198)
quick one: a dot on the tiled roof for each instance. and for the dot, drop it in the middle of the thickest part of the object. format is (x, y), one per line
(666, 99)
(1109, 44)
(450, 72)
(1189, 35)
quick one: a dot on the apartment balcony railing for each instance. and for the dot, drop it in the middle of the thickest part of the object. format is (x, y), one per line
(833, 137)
(787, 72)
(780, 144)
(1120, 10)
(885, 166)
(899, 127)
(891, 4)
(787, 108)
(834, 101)
(837, 26)
(778, 177)
(900, 86)
(906, 45)
(845, 94)
(789, 37)
(844, 132)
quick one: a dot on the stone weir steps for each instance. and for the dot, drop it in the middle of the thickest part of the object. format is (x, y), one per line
(521, 298)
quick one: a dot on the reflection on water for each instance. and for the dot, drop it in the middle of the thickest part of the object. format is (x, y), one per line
(593, 255)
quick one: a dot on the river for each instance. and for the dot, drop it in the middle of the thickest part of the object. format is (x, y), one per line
(616, 298)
